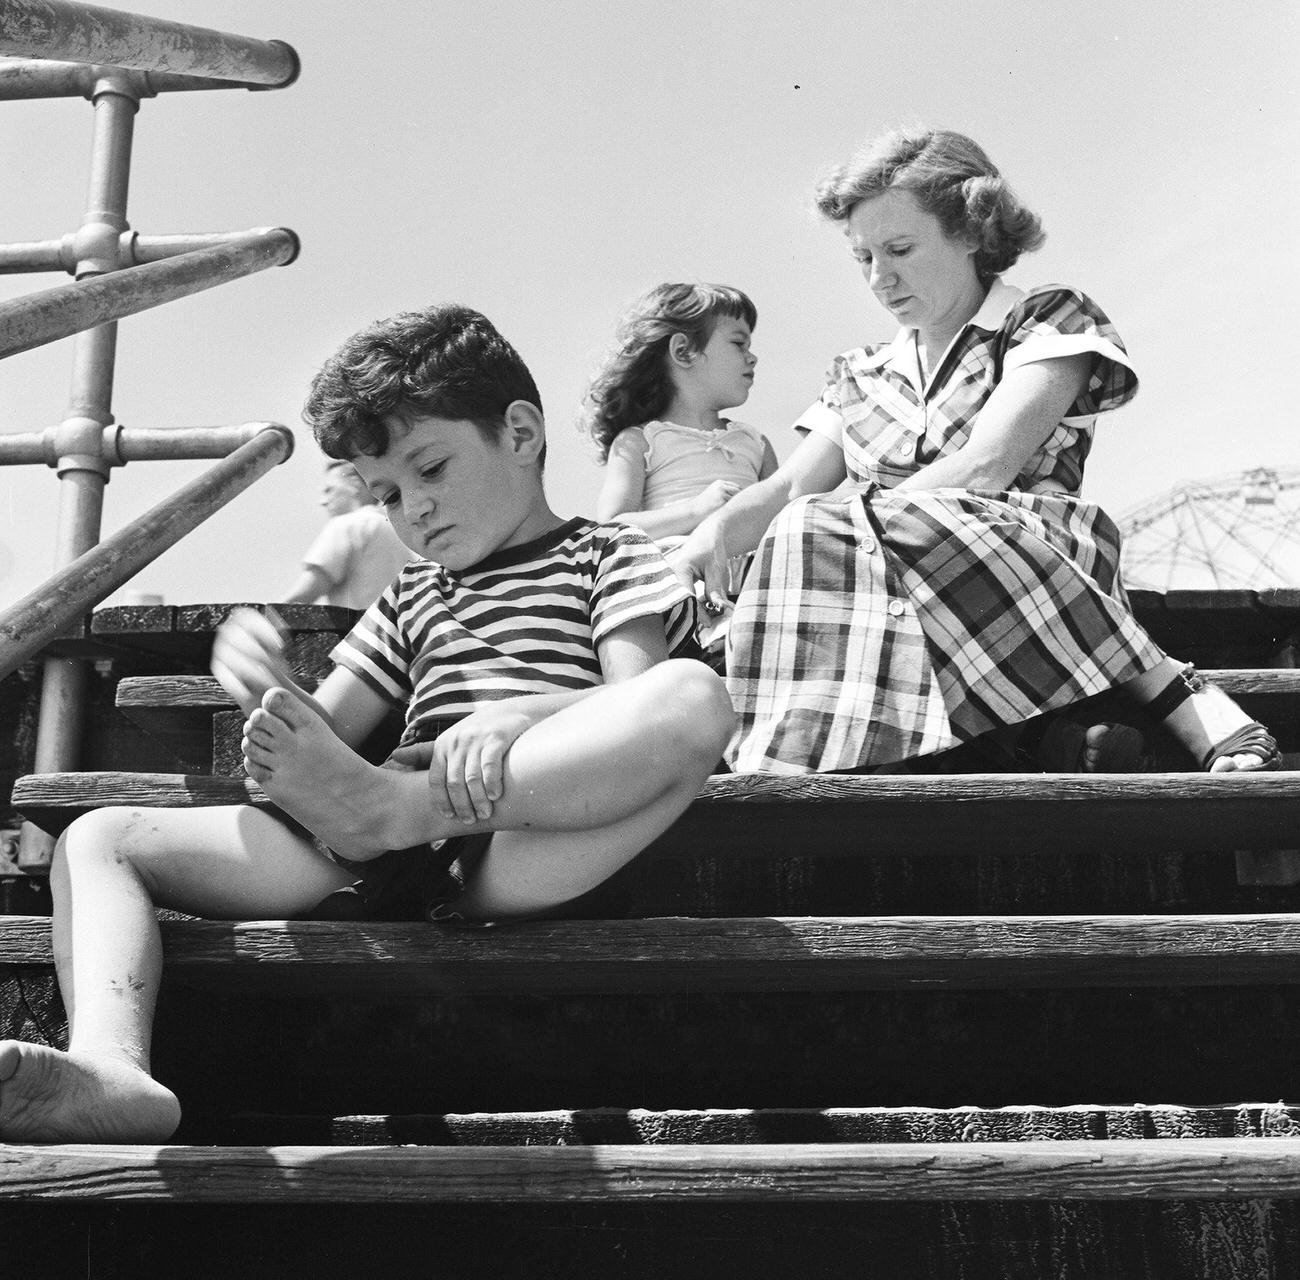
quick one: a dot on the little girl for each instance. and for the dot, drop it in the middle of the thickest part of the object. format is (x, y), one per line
(681, 355)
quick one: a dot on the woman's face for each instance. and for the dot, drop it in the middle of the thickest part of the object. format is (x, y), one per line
(923, 277)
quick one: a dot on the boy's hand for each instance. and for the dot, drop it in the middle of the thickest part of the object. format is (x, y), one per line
(248, 658)
(466, 774)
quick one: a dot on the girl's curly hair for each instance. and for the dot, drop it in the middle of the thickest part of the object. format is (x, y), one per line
(951, 178)
(633, 387)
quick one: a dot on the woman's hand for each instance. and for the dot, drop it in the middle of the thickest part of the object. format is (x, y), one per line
(248, 657)
(702, 565)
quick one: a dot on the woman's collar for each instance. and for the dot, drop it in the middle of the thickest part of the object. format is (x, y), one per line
(995, 308)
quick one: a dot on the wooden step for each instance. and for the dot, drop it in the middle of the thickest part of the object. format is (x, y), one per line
(768, 815)
(1271, 694)
(136, 692)
(680, 954)
(185, 632)
(1155, 1169)
(196, 719)
(596, 1126)
(186, 713)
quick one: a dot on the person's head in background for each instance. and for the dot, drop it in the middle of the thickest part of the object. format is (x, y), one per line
(343, 490)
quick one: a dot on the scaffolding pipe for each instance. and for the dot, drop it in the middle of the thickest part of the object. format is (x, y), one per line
(131, 444)
(49, 611)
(89, 33)
(28, 78)
(133, 250)
(171, 444)
(33, 255)
(83, 473)
(52, 314)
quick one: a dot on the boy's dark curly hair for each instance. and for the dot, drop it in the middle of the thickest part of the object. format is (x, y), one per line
(446, 361)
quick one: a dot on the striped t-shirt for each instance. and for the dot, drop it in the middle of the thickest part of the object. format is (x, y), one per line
(525, 620)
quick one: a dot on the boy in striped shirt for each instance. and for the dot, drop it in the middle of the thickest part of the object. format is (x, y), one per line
(553, 725)
(545, 650)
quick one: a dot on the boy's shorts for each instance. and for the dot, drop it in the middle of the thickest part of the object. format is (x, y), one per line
(424, 882)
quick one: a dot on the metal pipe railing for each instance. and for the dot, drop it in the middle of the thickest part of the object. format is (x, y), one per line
(89, 33)
(133, 249)
(121, 445)
(114, 59)
(51, 314)
(27, 78)
(46, 613)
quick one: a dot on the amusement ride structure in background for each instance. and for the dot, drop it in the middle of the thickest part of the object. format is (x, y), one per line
(1240, 531)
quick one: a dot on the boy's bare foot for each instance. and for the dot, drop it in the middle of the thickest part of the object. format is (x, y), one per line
(50, 1096)
(356, 808)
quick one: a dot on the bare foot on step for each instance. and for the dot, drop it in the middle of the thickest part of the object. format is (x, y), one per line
(354, 807)
(50, 1096)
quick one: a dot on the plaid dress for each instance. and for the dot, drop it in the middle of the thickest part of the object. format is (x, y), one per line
(878, 625)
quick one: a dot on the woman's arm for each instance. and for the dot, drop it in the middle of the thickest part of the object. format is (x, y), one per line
(816, 466)
(1023, 410)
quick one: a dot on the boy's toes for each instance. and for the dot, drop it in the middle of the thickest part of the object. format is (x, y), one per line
(281, 704)
(259, 722)
(258, 772)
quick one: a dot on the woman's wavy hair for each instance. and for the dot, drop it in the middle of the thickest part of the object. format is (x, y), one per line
(633, 386)
(952, 178)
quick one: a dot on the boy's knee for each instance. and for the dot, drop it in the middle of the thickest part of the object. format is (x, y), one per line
(100, 832)
(700, 705)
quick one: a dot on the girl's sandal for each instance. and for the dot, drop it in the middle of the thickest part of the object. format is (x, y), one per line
(1251, 738)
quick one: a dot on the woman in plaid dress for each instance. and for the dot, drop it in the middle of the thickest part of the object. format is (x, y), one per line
(957, 583)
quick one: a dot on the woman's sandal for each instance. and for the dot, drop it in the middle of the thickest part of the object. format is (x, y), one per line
(1251, 738)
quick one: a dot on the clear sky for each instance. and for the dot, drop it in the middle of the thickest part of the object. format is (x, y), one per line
(545, 162)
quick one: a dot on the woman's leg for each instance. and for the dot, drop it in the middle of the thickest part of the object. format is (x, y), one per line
(111, 869)
(1201, 718)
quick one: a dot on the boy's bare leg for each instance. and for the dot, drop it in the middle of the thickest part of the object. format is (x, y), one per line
(111, 868)
(602, 777)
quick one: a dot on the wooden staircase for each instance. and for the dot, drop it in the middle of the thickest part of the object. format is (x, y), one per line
(973, 1025)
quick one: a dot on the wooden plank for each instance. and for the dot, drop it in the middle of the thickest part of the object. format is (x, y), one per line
(182, 691)
(1164, 1169)
(172, 693)
(683, 954)
(595, 1126)
(184, 632)
(206, 618)
(1283, 599)
(1223, 600)
(769, 815)
(176, 711)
